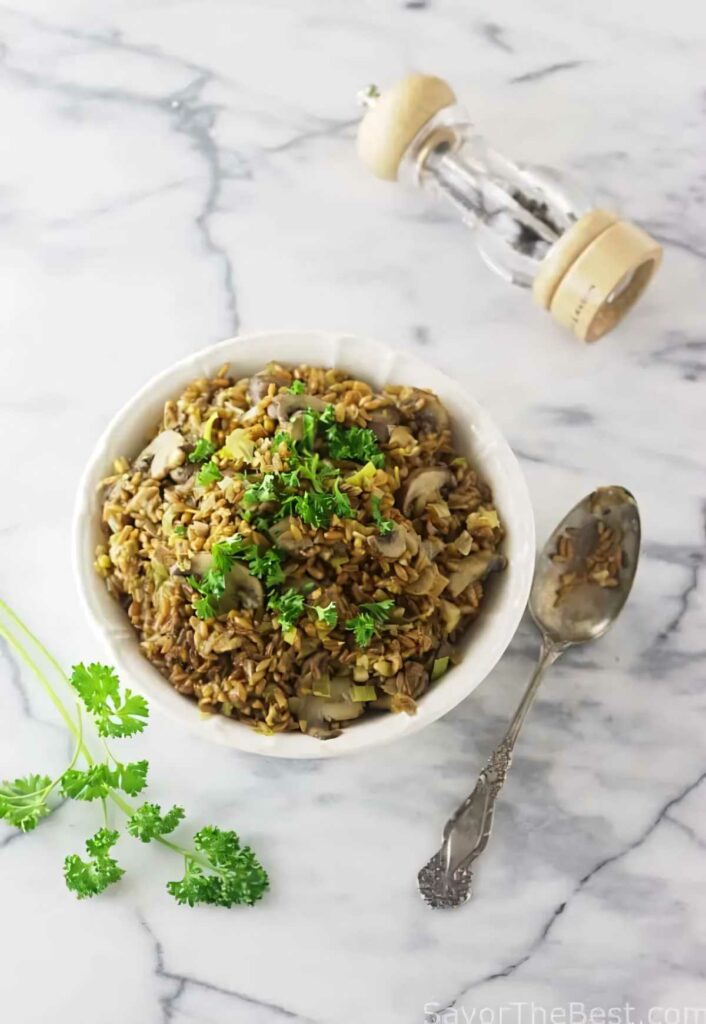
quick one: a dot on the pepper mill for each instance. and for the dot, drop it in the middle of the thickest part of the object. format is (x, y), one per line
(586, 266)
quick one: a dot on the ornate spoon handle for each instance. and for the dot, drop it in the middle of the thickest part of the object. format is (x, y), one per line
(445, 881)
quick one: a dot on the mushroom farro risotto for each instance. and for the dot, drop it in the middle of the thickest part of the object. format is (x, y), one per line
(297, 550)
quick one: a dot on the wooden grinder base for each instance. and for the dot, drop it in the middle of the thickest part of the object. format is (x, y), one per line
(595, 272)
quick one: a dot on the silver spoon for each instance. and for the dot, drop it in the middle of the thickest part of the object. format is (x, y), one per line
(582, 580)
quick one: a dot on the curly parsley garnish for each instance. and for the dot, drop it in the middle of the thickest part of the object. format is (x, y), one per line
(149, 823)
(115, 714)
(384, 526)
(217, 869)
(370, 616)
(267, 566)
(208, 474)
(203, 450)
(231, 872)
(24, 801)
(264, 491)
(88, 878)
(358, 444)
(289, 607)
(97, 781)
(327, 613)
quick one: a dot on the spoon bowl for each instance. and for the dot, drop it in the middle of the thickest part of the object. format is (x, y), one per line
(586, 569)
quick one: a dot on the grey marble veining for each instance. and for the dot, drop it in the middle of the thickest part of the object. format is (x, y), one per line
(175, 171)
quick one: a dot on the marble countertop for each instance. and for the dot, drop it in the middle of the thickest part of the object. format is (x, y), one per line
(175, 171)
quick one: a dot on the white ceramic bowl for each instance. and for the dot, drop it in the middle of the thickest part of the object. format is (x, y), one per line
(475, 435)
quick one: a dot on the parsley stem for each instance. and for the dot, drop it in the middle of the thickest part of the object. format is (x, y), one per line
(58, 704)
(109, 752)
(35, 640)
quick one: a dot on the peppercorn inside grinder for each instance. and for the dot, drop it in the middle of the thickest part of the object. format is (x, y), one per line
(533, 228)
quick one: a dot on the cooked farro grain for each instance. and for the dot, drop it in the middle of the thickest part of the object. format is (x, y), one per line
(296, 550)
(600, 566)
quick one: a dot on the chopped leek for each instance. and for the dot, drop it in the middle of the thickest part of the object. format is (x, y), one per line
(321, 687)
(363, 476)
(239, 446)
(439, 667)
(483, 517)
(208, 426)
(361, 693)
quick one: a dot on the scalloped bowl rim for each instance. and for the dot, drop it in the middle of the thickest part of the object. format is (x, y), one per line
(476, 435)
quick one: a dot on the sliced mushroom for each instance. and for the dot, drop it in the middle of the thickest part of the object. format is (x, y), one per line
(250, 414)
(182, 473)
(260, 382)
(397, 703)
(432, 417)
(483, 518)
(432, 547)
(439, 509)
(161, 455)
(163, 555)
(475, 567)
(283, 407)
(422, 486)
(282, 535)
(429, 581)
(315, 669)
(318, 716)
(415, 679)
(391, 545)
(242, 589)
(382, 421)
(296, 426)
(201, 563)
(412, 541)
(401, 437)
(463, 544)
(450, 615)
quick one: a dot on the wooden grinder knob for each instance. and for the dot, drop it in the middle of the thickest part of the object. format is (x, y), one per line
(388, 127)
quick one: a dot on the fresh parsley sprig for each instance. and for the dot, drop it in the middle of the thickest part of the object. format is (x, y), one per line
(327, 614)
(289, 607)
(371, 615)
(263, 491)
(357, 444)
(384, 526)
(231, 873)
(217, 869)
(204, 447)
(88, 878)
(149, 823)
(96, 782)
(203, 450)
(209, 474)
(114, 715)
(24, 801)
